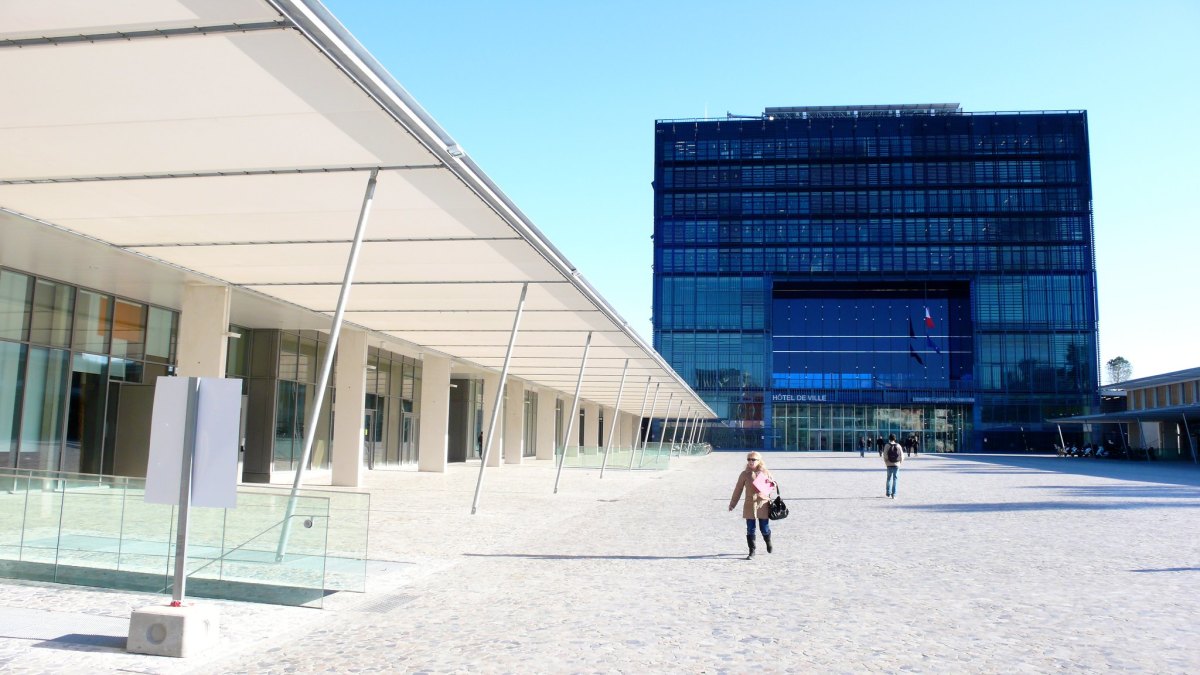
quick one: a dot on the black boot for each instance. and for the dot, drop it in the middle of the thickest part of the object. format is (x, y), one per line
(750, 543)
(767, 538)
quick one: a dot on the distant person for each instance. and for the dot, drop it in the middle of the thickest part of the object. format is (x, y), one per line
(893, 456)
(916, 444)
(862, 446)
(879, 444)
(754, 485)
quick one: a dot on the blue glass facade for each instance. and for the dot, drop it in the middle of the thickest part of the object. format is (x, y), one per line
(826, 274)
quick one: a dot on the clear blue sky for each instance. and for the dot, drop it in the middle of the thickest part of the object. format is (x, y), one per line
(556, 100)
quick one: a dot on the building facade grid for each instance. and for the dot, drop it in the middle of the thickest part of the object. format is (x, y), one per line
(797, 255)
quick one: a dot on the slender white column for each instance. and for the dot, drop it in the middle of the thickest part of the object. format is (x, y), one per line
(348, 420)
(547, 398)
(662, 434)
(433, 450)
(335, 332)
(491, 429)
(616, 414)
(675, 431)
(649, 423)
(514, 421)
(203, 331)
(574, 411)
(687, 420)
(635, 436)
(491, 399)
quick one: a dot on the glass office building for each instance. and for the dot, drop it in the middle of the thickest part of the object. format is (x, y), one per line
(828, 274)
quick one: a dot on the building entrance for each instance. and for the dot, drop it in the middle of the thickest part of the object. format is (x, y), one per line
(837, 427)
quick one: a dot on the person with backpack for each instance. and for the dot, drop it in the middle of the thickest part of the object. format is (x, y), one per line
(893, 455)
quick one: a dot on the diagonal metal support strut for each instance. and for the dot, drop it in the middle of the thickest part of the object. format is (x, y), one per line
(327, 367)
(491, 432)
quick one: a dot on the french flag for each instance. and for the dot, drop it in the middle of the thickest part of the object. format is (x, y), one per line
(928, 319)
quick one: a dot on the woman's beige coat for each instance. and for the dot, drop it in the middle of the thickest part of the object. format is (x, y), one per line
(754, 505)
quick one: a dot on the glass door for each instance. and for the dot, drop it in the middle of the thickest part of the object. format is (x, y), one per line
(370, 438)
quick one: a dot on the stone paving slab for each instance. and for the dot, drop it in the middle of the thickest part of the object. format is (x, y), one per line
(986, 564)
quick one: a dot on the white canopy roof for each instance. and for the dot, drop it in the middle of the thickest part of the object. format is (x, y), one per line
(231, 140)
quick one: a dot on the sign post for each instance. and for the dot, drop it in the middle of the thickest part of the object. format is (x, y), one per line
(193, 462)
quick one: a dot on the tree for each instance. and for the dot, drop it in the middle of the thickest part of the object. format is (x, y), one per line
(1119, 369)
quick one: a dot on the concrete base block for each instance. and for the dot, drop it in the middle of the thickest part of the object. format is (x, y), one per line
(173, 631)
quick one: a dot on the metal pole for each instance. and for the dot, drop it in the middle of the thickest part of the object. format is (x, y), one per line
(675, 431)
(662, 435)
(638, 435)
(1062, 440)
(1191, 443)
(574, 411)
(687, 427)
(185, 492)
(487, 446)
(616, 414)
(649, 423)
(649, 420)
(682, 431)
(327, 367)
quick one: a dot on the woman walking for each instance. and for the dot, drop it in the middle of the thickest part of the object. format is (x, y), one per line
(755, 484)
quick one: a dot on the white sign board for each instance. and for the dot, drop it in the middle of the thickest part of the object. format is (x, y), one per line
(214, 464)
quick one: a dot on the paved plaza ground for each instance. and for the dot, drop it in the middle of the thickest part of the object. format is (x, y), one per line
(994, 564)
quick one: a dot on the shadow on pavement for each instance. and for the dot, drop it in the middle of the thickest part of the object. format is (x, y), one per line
(1046, 506)
(1176, 473)
(535, 556)
(1170, 569)
(1125, 491)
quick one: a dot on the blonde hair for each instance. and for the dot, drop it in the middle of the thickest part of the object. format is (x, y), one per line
(758, 462)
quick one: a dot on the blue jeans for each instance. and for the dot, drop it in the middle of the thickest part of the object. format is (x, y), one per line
(893, 472)
(763, 524)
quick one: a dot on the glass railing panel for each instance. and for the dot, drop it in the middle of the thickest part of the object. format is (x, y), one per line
(99, 531)
(346, 558)
(13, 494)
(90, 527)
(147, 535)
(43, 511)
(654, 456)
(252, 534)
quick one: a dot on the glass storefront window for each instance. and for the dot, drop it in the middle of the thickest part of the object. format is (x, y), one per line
(53, 305)
(14, 305)
(12, 383)
(160, 335)
(306, 360)
(57, 406)
(85, 414)
(43, 409)
(289, 355)
(237, 362)
(129, 330)
(93, 312)
(124, 370)
(530, 436)
(285, 425)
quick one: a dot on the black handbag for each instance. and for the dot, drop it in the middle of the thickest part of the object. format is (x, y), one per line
(777, 510)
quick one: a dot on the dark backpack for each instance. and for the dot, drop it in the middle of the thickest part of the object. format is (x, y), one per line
(893, 452)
